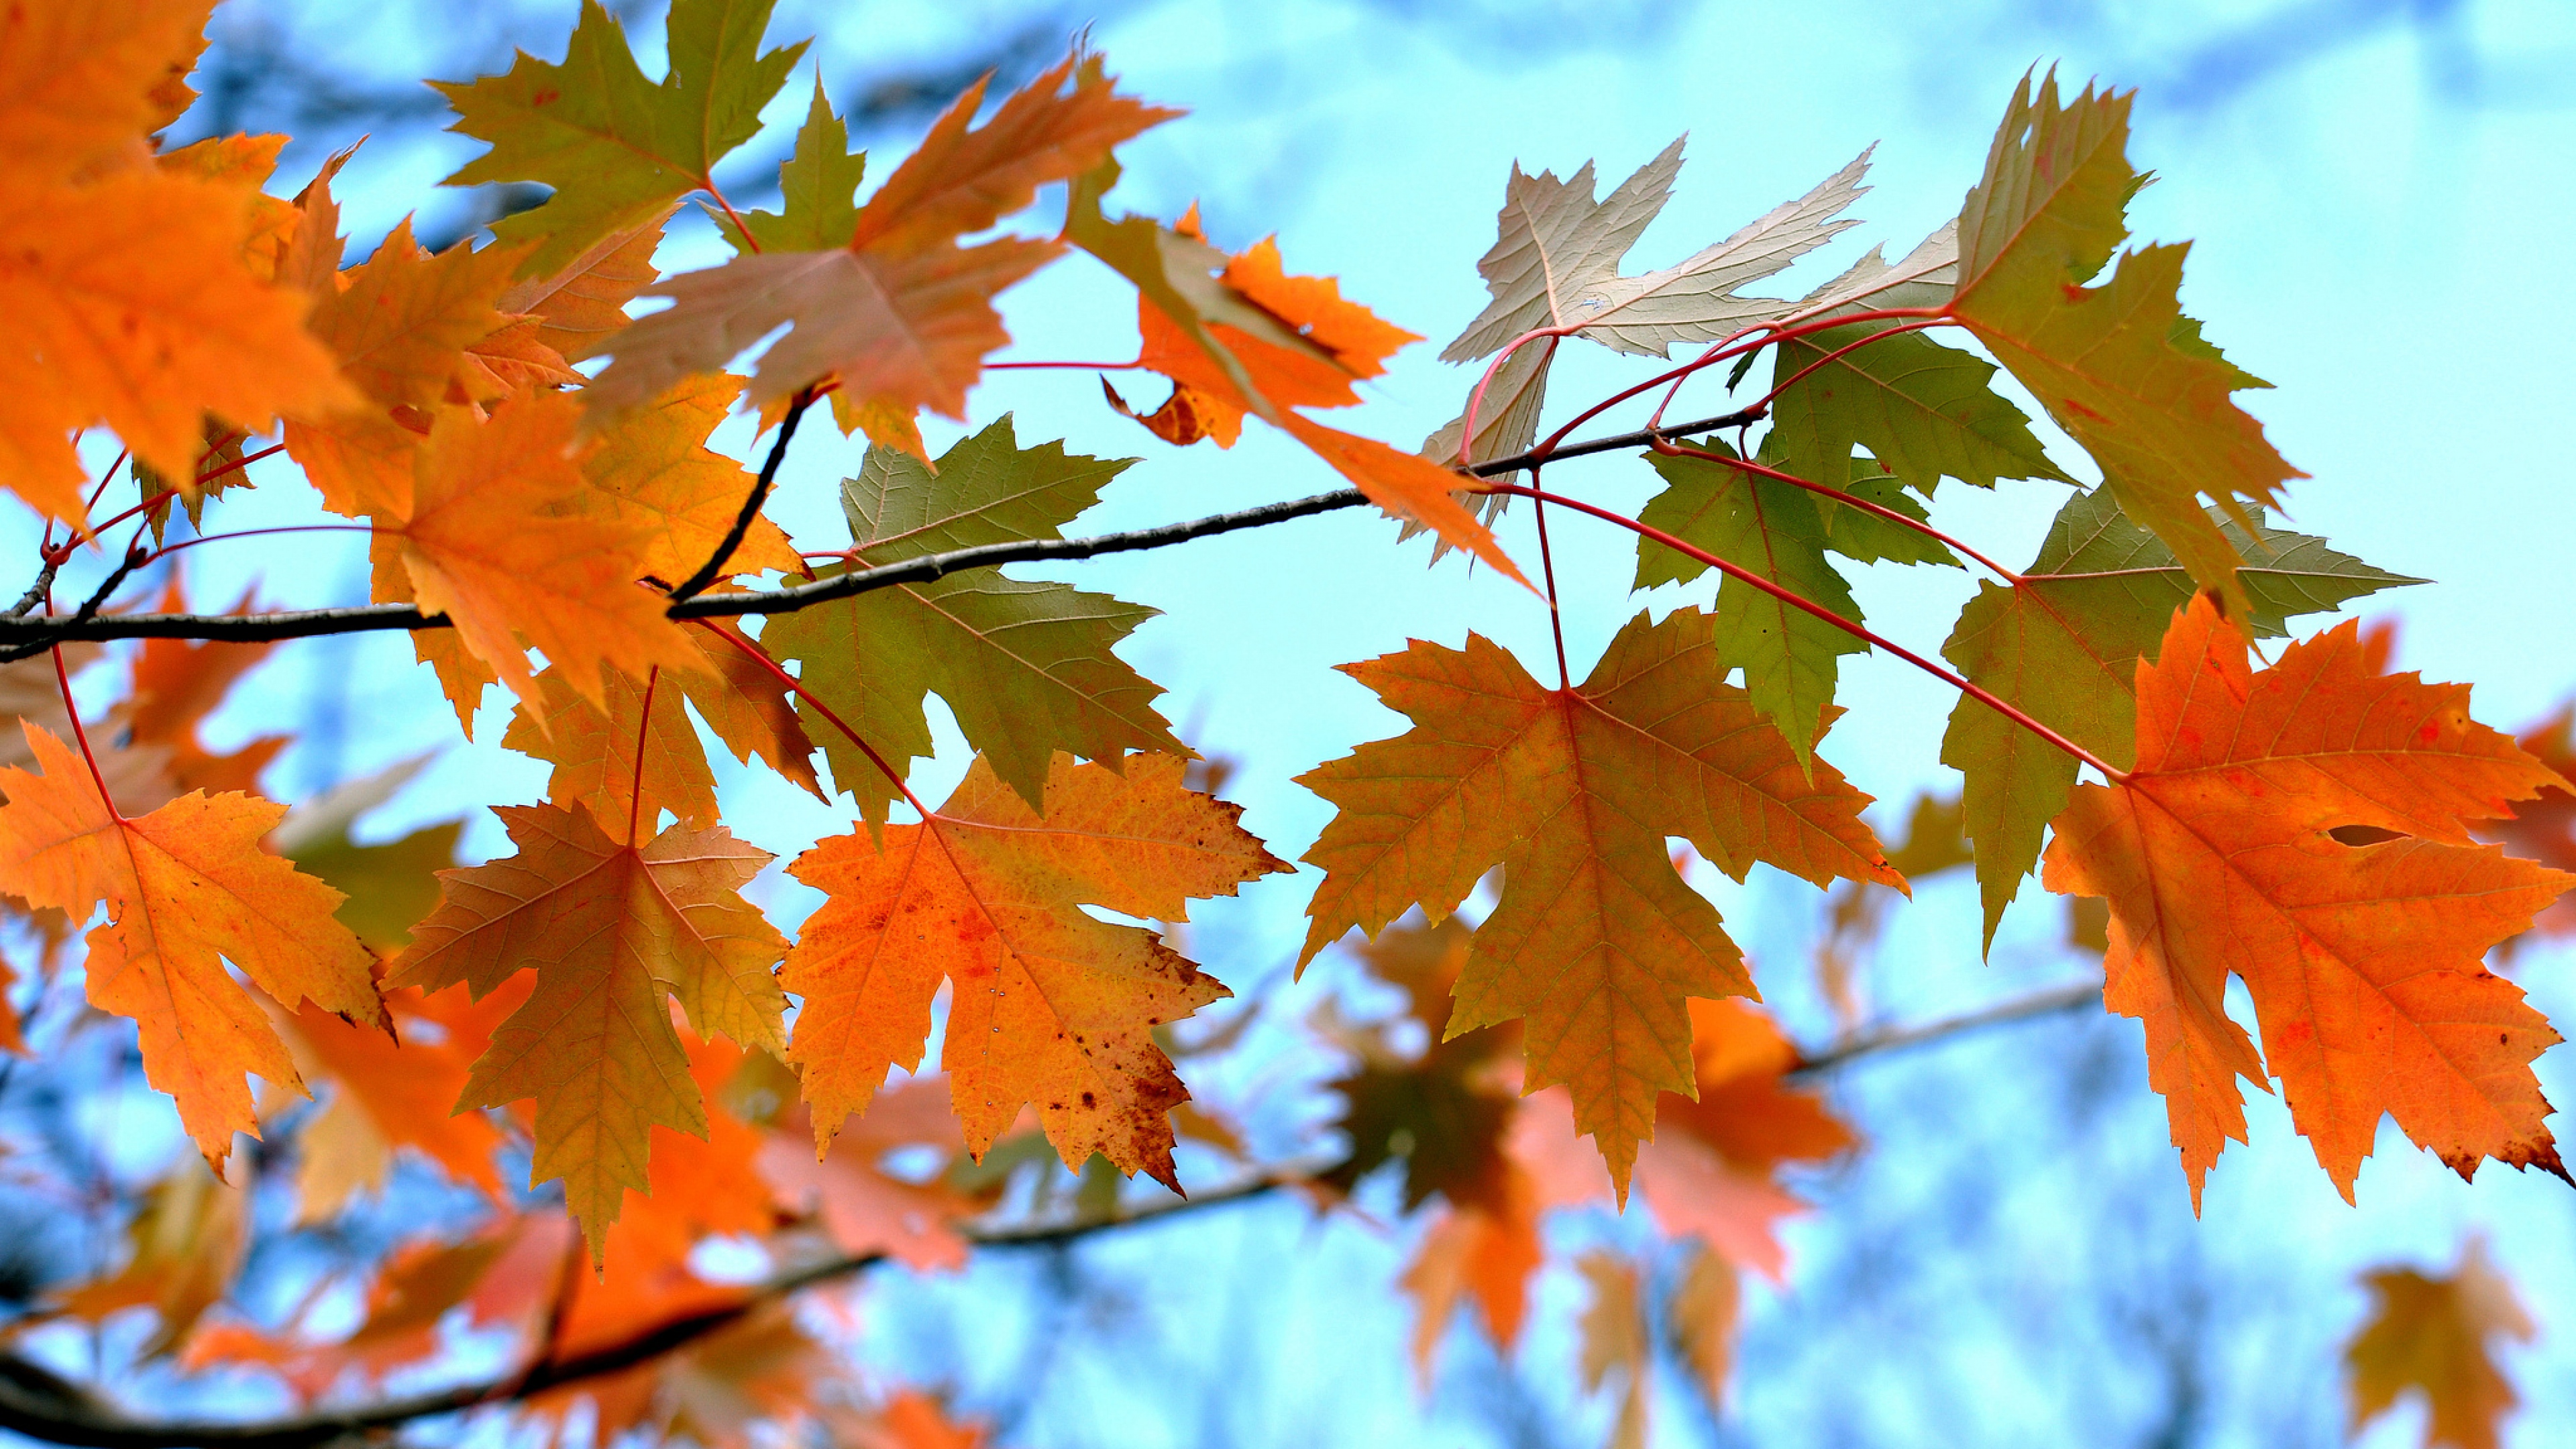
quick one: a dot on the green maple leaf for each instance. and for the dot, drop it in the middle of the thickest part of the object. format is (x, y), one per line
(1027, 668)
(818, 188)
(1865, 537)
(618, 148)
(1778, 531)
(1924, 410)
(2065, 644)
(2118, 366)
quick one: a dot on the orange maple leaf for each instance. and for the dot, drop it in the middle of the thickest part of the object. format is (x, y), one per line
(2220, 853)
(1709, 1170)
(864, 1208)
(503, 538)
(81, 84)
(388, 1094)
(655, 474)
(612, 930)
(1482, 1252)
(131, 303)
(1052, 1006)
(131, 290)
(903, 315)
(177, 683)
(701, 1185)
(2432, 1336)
(401, 325)
(1597, 942)
(187, 888)
(603, 757)
(1343, 341)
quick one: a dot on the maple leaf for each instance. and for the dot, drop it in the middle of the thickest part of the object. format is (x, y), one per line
(1052, 1006)
(1027, 668)
(2064, 646)
(701, 1185)
(1615, 1337)
(496, 1276)
(1254, 339)
(186, 1246)
(1442, 1110)
(2434, 1336)
(388, 1094)
(1702, 1315)
(1790, 657)
(2218, 855)
(400, 327)
(2545, 829)
(1596, 941)
(618, 149)
(132, 304)
(2118, 366)
(584, 305)
(818, 188)
(655, 475)
(595, 753)
(499, 539)
(862, 1207)
(1555, 263)
(1923, 410)
(389, 886)
(1482, 1252)
(900, 312)
(79, 83)
(138, 775)
(187, 889)
(1709, 1174)
(177, 683)
(611, 930)
(913, 1420)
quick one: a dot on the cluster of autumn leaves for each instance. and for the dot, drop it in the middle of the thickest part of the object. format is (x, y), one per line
(532, 467)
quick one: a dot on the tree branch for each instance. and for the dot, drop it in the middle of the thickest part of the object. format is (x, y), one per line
(714, 567)
(2045, 1002)
(21, 637)
(42, 1405)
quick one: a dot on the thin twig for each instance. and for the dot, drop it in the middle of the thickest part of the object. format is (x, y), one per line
(21, 637)
(1881, 1040)
(714, 567)
(58, 1419)
(44, 585)
(136, 556)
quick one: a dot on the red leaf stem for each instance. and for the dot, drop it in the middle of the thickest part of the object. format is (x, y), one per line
(760, 656)
(1747, 465)
(1956, 681)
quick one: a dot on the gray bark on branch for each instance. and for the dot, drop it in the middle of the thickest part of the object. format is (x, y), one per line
(21, 636)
